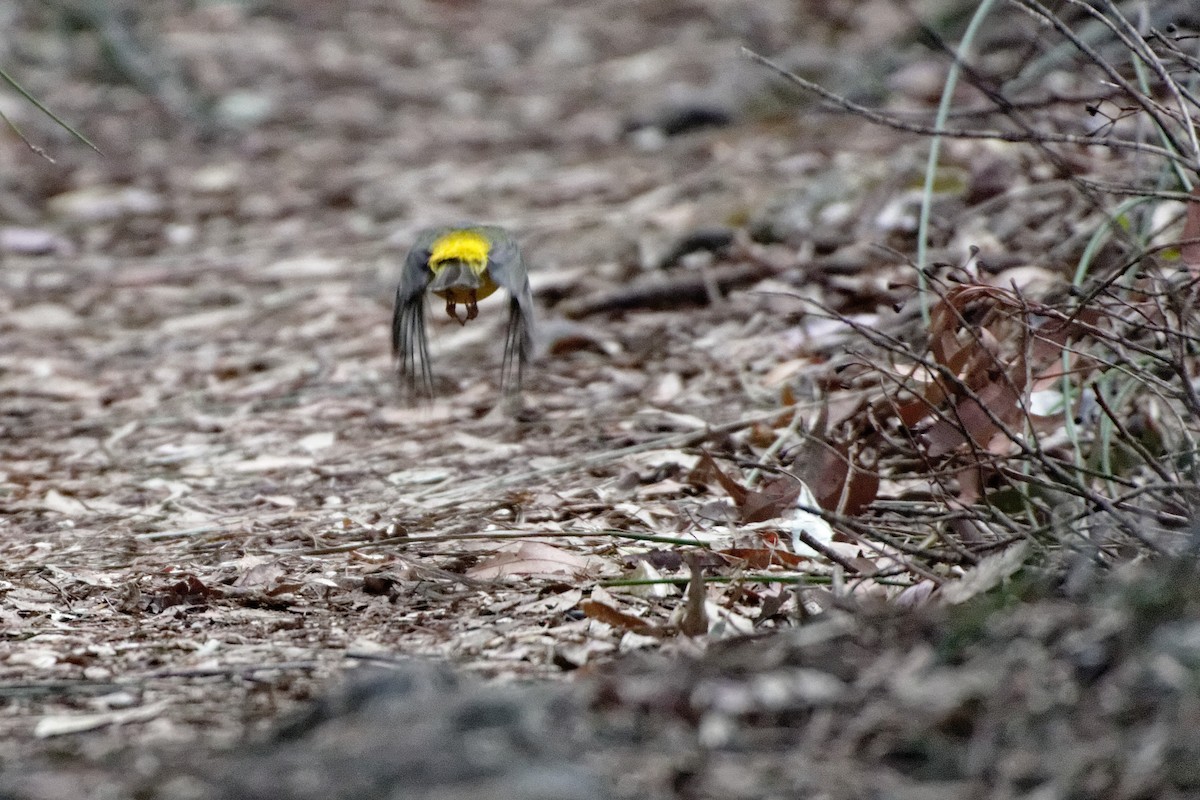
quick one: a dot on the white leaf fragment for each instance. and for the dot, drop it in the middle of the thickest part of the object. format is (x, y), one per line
(801, 521)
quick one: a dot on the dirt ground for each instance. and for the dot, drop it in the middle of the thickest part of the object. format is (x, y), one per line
(216, 503)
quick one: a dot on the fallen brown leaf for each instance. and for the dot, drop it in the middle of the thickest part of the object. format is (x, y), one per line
(605, 613)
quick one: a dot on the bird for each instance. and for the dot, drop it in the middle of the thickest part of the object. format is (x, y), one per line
(462, 264)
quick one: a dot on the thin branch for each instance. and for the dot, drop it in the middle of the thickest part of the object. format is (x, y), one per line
(897, 123)
(21, 90)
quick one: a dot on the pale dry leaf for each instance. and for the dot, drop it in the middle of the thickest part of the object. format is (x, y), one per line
(403, 416)
(655, 459)
(34, 241)
(264, 574)
(419, 476)
(645, 571)
(308, 266)
(234, 317)
(56, 501)
(485, 449)
(271, 464)
(51, 385)
(174, 489)
(602, 595)
(725, 622)
(40, 658)
(915, 595)
(637, 512)
(48, 317)
(366, 646)
(61, 724)
(99, 203)
(32, 600)
(1045, 402)
(660, 420)
(313, 580)
(989, 573)
(317, 441)
(665, 389)
(578, 655)
(530, 558)
(784, 371)
(632, 641)
(278, 500)
(557, 603)
(276, 382)
(664, 488)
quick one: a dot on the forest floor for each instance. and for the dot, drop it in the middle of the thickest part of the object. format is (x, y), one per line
(216, 502)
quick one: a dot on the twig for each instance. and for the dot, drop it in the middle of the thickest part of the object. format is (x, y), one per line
(896, 123)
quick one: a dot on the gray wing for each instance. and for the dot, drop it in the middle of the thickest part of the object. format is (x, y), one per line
(508, 270)
(410, 344)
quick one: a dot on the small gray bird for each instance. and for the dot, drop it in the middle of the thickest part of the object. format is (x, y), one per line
(462, 264)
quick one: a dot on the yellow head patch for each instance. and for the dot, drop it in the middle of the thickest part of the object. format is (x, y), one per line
(469, 247)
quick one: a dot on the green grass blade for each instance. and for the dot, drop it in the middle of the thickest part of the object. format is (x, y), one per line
(21, 90)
